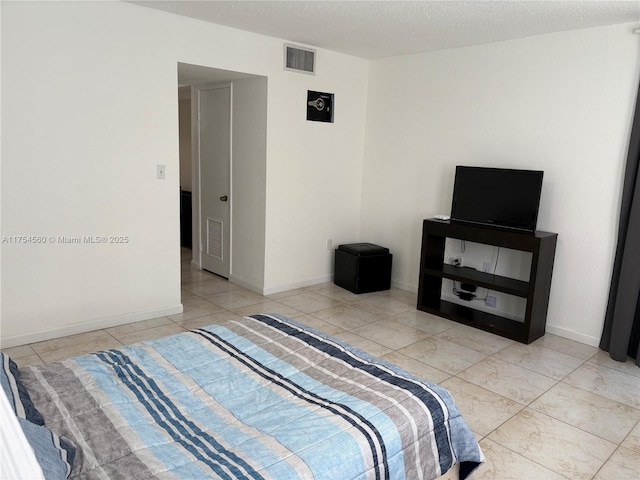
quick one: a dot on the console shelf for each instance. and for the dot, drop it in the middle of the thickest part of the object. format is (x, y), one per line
(542, 246)
(482, 279)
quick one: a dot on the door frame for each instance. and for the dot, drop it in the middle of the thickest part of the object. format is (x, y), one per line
(195, 171)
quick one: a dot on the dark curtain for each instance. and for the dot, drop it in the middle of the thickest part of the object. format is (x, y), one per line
(621, 333)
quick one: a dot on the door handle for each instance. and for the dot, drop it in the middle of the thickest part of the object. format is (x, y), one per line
(224, 198)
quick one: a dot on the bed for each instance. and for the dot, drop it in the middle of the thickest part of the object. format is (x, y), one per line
(263, 397)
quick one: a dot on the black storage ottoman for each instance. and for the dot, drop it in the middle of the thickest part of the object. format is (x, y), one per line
(362, 267)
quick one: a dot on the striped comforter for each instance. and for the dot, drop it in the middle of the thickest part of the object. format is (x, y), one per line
(259, 398)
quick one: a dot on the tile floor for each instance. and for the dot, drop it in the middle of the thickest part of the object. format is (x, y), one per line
(555, 409)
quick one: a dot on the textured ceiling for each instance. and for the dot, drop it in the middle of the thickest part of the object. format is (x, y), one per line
(375, 29)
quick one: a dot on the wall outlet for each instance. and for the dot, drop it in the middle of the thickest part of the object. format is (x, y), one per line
(456, 260)
(329, 244)
(161, 171)
(490, 301)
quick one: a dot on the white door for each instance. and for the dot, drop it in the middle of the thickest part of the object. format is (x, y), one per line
(214, 148)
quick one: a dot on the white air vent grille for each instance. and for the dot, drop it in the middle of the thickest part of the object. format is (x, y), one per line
(214, 238)
(299, 59)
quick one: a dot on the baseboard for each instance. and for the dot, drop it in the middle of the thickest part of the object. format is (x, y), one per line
(292, 286)
(404, 286)
(89, 326)
(325, 279)
(244, 283)
(572, 335)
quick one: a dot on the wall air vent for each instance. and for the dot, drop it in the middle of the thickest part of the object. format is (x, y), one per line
(214, 238)
(299, 59)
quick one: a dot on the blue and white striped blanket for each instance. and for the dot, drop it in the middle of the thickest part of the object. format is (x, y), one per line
(259, 398)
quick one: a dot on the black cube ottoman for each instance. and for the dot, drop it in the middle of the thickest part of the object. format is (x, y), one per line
(362, 267)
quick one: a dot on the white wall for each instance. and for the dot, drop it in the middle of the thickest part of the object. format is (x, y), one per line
(314, 172)
(93, 108)
(89, 107)
(1, 150)
(561, 103)
(249, 170)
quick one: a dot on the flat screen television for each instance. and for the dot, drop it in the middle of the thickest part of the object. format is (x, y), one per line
(497, 197)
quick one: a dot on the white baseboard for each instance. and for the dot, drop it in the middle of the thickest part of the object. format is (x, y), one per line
(91, 325)
(325, 279)
(328, 279)
(244, 283)
(292, 286)
(404, 286)
(573, 335)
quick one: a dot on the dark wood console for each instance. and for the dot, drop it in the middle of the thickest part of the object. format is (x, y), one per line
(542, 245)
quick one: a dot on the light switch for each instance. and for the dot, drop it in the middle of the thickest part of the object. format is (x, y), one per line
(161, 170)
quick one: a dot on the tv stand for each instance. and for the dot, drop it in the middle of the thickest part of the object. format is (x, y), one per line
(542, 245)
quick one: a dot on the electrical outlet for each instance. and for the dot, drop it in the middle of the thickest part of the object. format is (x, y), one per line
(455, 261)
(490, 302)
(486, 267)
(329, 244)
(161, 171)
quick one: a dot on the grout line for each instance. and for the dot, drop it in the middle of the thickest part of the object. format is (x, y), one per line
(577, 426)
(112, 336)
(612, 368)
(524, 456)
(628, 434)
(41, 359)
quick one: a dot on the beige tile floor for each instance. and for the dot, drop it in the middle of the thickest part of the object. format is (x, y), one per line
(555, 409)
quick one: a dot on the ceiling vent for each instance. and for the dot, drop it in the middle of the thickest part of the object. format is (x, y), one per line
(299, 59)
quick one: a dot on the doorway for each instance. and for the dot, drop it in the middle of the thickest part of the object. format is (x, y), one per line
(246, 197)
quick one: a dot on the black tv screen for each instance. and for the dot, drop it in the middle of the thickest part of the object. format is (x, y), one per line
(497, 197)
